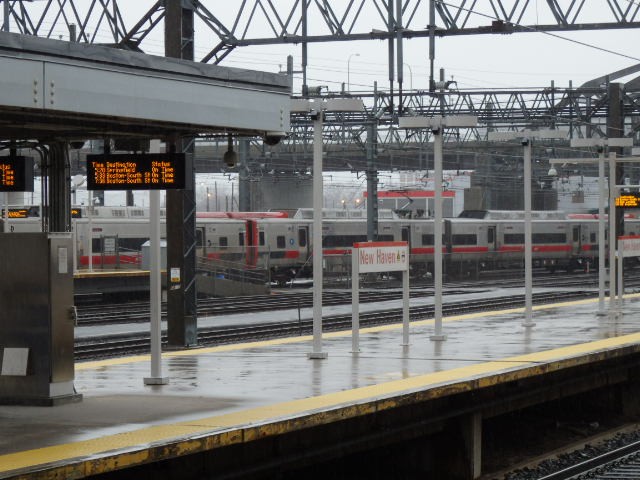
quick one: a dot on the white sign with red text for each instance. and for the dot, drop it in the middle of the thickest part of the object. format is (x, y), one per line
(367, 257)
(382, 256)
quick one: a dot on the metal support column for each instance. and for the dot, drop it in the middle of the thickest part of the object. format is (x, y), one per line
(181, 205)
(244, 185)
(602, 266)
(59, 211)
(438, 141)
(372, 182)
(613, 234)
(615, 128)
(5, 23)
(317, 352)
(528, 244)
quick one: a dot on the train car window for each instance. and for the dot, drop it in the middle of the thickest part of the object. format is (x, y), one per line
(549, 238)
(576, 234)
(342, 240)
(513, 238)
(224, 243)
(302, 237)
(490, 235)
(261, 238)
(241, 239)
(280, 241)
(199, 237)
(592, 237)
(131, 243)
(427, 239)
(385, 238)
(464, 239)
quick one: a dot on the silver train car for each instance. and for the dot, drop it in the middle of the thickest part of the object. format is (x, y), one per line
(273, 240)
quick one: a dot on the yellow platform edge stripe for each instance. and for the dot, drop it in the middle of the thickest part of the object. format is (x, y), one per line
(126, 449)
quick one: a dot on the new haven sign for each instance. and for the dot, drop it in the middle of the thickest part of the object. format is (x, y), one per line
(382, 256)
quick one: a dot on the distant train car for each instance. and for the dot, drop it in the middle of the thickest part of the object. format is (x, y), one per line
(274, 241)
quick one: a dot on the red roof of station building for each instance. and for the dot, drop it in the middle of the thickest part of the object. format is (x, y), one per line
(412, 194)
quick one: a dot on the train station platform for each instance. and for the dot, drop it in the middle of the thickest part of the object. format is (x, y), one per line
(264, 407)
(100, 285)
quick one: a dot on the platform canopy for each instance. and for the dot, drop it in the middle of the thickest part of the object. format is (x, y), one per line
(60, 90)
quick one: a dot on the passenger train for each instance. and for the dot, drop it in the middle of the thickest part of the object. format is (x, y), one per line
(282, 243)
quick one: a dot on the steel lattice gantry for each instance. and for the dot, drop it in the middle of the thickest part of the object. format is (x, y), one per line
(244, 23)
(258, 22)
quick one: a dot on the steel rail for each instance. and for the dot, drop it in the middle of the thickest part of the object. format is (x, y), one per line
(604, 466)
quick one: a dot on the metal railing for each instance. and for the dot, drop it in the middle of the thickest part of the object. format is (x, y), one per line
(235, 271)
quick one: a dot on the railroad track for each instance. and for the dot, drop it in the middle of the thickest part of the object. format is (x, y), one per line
(623, 463)
(139, 311)
(125, 344)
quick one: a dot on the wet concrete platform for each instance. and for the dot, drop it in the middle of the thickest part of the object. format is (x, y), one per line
(230, 394)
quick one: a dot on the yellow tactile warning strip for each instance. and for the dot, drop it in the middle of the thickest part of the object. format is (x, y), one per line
(111, 273)
(78, 459)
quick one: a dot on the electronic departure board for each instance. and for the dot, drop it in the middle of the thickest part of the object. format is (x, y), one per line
(16, 174)
(153, 171)
(629, 200)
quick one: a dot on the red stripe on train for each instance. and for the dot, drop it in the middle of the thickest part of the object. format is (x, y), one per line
(110, 260)
(536, 248)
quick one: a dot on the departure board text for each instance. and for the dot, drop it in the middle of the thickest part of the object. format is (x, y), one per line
(629, 201)
(16, 174)
(136, 172)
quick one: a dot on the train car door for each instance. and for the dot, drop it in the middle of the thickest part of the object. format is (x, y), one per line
(405, 236)
(491, 238)
(201, 246)
(303, 242)
(251, 236)
(447, 241)
(577, 239)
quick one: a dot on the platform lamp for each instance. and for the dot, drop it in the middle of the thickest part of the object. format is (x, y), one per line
(316, 109)
(602, 144)
(437, 124)
(526, 137)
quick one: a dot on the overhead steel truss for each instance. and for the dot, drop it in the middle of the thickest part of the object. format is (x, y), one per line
(267, 22)
(249, 23)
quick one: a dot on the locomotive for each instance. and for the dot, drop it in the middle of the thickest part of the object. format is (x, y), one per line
(282, 243)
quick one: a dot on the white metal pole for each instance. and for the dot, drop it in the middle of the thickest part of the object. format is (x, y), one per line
(612, 232)
(437, 234)
(355, 301)
(602, 264)
(317, 353)
(620, 284)
(74, 224)
(528, 247)
(405, 307)
(155, 292)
